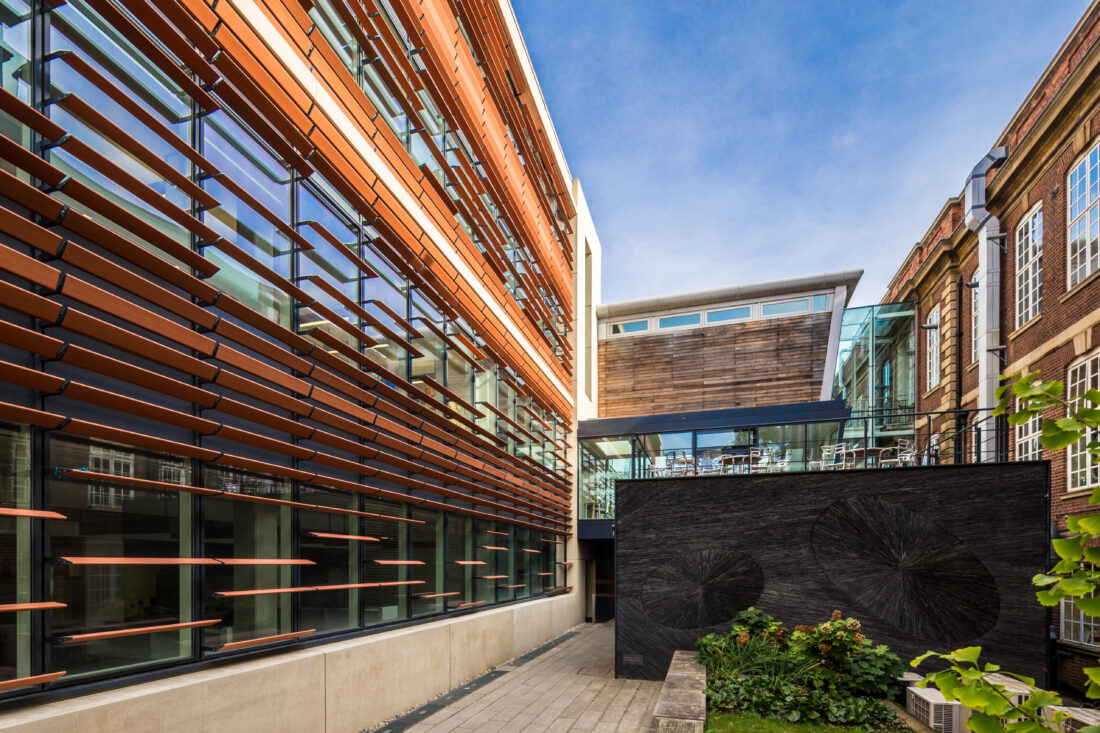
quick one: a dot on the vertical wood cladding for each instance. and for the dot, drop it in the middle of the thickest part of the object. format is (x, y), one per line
(750, 364)
(920, 555)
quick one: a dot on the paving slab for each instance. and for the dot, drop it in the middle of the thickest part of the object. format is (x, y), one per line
(566, 686)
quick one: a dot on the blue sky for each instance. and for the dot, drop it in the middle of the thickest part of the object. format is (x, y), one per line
(730, 142)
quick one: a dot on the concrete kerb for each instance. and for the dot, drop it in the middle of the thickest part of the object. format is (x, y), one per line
(682, 704)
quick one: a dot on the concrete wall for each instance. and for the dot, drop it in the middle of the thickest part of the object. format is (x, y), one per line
(343, 687)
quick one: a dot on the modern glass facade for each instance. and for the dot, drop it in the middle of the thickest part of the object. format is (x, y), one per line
(258, 383)
(703, 452)
(875, 372)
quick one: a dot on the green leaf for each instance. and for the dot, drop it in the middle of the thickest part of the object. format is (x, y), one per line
(1029, 681)
(1068, 548)
(1054, 389)
(1069, 423)
(982, 723)
(1087, 523)
(1042, 579)
(1041, 698)
(1093, 673)
(1050, 597)
(1025, 388)
(946, 682)
(1076, 586)
(1093, 396)
(1090, 415)
(1019, 418)
(1058, 440)
(966, 654)
(916, 662)
(1089, 606)
(1065, 567)
(1092, 554)
(978, 697)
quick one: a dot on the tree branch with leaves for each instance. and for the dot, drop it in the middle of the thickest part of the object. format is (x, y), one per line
(1075, 576)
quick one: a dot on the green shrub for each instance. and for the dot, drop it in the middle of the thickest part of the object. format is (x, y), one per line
(827, 673)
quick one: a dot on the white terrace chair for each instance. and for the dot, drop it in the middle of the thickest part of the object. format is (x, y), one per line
(829, 455)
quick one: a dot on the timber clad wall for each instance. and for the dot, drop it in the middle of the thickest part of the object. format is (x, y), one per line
(768, 362)
(286, 314)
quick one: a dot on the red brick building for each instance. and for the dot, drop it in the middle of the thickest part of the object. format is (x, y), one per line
(1007, 278)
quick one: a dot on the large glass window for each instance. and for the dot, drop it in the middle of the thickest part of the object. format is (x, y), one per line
(334, 542)
(1029, 266)
(462, 570)
(245, 223)
(101, 126)
(388, 601)
(258, 537)
(722, 451)
(1084, 472)
(666, 454)
(1083, 237)
(117, 560)
(781, 446)
(428, 571)
(603, 462)
(15, 539)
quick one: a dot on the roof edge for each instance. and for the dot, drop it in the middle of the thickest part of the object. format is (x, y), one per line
(826, 280)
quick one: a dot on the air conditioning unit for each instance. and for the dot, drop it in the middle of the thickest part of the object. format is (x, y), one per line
(909, 678)
(929, 706)
(1016, 691)
(1078, 718)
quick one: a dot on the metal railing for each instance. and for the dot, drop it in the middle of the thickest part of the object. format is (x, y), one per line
(865, 441)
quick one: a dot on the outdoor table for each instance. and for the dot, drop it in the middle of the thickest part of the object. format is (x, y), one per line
(863, 454)
(745, 460)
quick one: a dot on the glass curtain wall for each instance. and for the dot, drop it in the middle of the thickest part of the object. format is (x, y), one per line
(230, 559)
(875, 372)
(204, 563)
(764, 449)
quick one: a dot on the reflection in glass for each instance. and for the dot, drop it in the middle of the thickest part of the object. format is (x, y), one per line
(244, 529)
(336, 558)
(15, 541)
(665, 455)
(875, 372)
(603, 462)
(117, 521)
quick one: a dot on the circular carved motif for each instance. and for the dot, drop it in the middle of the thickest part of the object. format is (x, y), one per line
(905, 570)
(699, 589)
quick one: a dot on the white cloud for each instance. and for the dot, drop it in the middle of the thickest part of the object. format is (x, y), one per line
(736, 143)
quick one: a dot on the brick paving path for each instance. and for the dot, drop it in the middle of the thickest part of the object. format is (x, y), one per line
(571, 687)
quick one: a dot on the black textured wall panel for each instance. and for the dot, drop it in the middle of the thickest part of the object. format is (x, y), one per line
(928, 558)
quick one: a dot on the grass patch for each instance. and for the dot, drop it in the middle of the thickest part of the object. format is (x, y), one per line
(736, 723)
